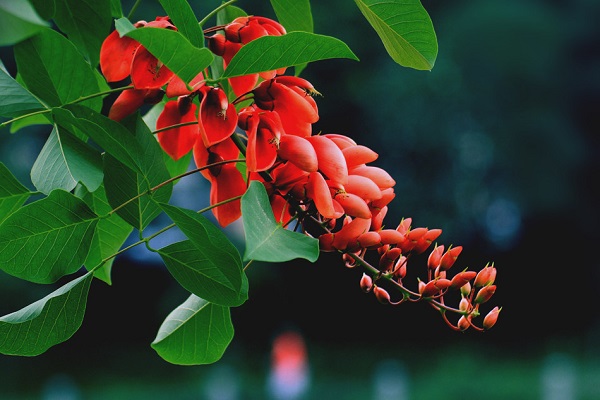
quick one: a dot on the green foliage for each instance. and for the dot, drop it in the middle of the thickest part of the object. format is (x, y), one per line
(196, 332)
(405, 29)
(266, 240)
(48, 238)
(296, 48)
(99, 179)
(53, 70)
(18, 21)
(208, 264)
(55, 318)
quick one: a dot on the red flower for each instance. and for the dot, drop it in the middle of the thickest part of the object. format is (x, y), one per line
(226, 181)
(218, 118)
(264, 131)
(290, 97)
(179, 141)
(129, 101)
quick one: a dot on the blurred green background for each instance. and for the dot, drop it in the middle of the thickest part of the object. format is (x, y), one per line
(498, 145)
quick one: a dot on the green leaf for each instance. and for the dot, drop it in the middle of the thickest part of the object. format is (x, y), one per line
(266, 240)
(47, 322)
(208, 264)
(109, 236)
(86, 23)
(272, 52)
(294, 15)
(170, 47)
(123, 184)
(228, 14)
(12, 193)
(15, 99)
(53, 70)
(45, 8)
(18, 21)
(47, 239)
(116, 9)
(112, 136)
(197, 332)
(185, 20)
(64, 161)
(405, 29)
(37, 119)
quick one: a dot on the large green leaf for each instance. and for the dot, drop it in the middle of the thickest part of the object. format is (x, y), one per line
(208, 264)
(405, 29)
(64, 161)
(123, 184)
(86, 23)
(185, 20)
(12, 193)
(294, 15)
(45, 8)
(15, 99)
(18, 21)
(109, 236)
(112, 136)
(272, 52)
(48, 238)
(266, 240)
(49, 321)
(170, 47)
(53, 69)
(196, 332)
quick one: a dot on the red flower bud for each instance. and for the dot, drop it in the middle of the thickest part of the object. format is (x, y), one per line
(491, 318)
(463, 323)
(485, 277)
(450, 257)
(433, 261)
(462, 278)
(382, 295)
(366, 283)
(464, 304)
(484, 294)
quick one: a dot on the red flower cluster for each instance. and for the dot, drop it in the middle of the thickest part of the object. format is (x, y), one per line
(323, 181)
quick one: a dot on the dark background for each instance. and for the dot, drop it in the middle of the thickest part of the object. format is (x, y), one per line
(497, 145)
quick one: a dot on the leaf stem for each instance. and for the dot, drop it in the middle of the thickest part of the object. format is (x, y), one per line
(135, 6)
(213, 12)
(91, 96)
(166, 128)
(155, 188)
(6, 123)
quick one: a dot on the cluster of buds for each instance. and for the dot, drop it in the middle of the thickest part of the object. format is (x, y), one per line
(323, 181)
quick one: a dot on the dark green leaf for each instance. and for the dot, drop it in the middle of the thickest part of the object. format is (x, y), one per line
(47, 322)
(405, 29)
(15, 99)
(294, 15)
(272, 52)
(170, 47)
(12, 193)
(64, 161)
(109, 236)
(86, 23)
(112, 136)
(45, 8)
(185, 20)
(53, 69)
(207, 264)
(266, 240)
(18, 21)
(196, 332)
(116, 9)
(123, 184)
(47, 239)
(37, 119)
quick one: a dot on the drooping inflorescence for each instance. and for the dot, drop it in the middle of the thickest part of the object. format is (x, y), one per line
(323, 181)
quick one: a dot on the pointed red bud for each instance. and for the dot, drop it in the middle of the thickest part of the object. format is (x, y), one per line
(450, 257)
(462, 278)
(382, 295)
(484, 294)
(330, 158)
(366, 283)
(491, 318)
(433, 261)
(359, 155)
(464, 305)
(363, 187)
(298, 151)
(353, 205)
(376, 174)
(463, 323)
(485, 277)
